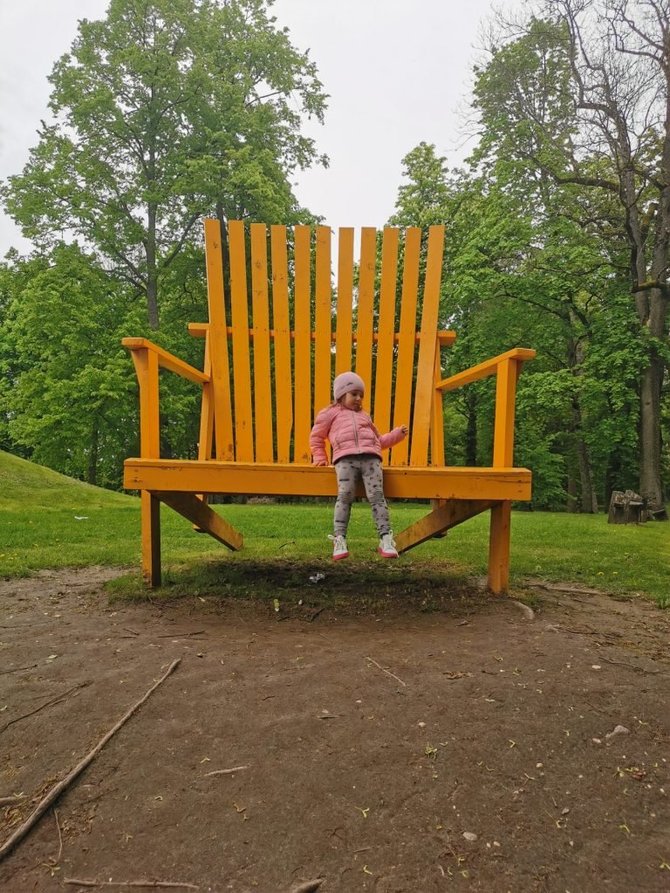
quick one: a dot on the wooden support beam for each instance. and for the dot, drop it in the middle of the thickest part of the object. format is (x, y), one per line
(204, 518)
(499, 547)
(442, 518)
(445, 337)
(151, 538)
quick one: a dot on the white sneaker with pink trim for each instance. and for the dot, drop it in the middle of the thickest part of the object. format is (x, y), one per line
(387, 547)
(340, 550)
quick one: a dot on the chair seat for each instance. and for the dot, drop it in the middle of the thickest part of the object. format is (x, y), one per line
(277, 479)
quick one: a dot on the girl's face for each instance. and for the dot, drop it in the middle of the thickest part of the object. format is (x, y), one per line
(353, 400)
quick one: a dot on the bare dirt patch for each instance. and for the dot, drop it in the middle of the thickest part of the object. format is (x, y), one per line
(474, 747)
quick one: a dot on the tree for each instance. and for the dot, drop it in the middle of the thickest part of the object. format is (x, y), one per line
(70, 400)
(163, 112)
(596, 119)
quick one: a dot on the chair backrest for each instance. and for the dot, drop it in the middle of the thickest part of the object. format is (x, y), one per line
(281, 327)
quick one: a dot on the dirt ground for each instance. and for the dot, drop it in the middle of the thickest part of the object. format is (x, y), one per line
(484, 746)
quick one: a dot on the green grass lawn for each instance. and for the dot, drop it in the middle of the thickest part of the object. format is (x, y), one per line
(50, 521)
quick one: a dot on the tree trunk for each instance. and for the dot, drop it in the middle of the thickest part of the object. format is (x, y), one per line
(571, 493)
(651, 488)
(588, 501)
(92, 471)
(471, 430)
(152, 272)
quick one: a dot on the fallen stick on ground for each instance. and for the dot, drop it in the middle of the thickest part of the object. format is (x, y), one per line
(42, 706)
(388, 672)
(88, 883)
(18, 669)
(226, 771)
(58, 789)
(13, 798)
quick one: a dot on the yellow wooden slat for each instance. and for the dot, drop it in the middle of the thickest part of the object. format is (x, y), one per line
(406, 342)
(345, 288)
(437, 414)
(303, 345)
(206, 435)
(244, 444)
(282, 341)
(385, 330)
(366, 293)
(322, 321)
(261, 344)
(221, 389)
(425, 378)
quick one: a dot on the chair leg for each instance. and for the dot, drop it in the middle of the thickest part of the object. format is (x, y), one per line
(151, 539)
(499, 547)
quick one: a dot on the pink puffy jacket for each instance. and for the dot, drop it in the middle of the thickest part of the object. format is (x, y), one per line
(350, 434)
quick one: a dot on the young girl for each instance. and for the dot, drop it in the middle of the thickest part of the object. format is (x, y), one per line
(357, 449)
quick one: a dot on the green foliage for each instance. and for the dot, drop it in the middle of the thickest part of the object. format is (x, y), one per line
(163, 112)
(69, 398)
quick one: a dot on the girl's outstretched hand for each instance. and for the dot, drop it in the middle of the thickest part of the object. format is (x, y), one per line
(319, 462)
(404, 429)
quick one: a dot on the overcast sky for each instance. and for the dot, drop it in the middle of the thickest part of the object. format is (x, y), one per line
(397, 72)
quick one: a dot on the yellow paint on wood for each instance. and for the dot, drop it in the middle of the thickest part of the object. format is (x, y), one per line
(282, 342)
(243, 429)
(503, 432)
(499, 548)
(303, 344)
(146, 368)
(221, 387)
(446, 515)
(206, 434)
(385, 330)
(425, 380)
(437, 415)
(407, 341)
(261, 344)
(166, 360)
(291, 374)
(482, 370)
(366, 295)
(204, 518)
(151, 538)
(192, 476)
(345, 290)
(322, 321)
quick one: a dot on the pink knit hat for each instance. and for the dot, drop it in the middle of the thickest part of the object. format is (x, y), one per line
(346, 382)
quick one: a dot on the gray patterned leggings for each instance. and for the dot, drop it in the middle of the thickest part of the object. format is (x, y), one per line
(348, 470)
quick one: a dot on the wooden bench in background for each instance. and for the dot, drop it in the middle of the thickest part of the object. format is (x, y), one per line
(277, 335)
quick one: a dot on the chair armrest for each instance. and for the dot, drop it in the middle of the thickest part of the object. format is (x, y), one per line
(483, 370)
(506, 368)
(148, 358)
(166, 360)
